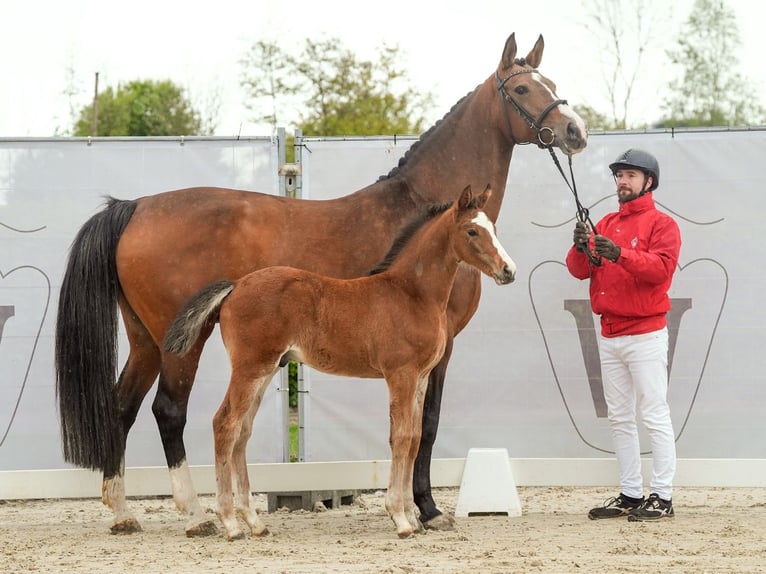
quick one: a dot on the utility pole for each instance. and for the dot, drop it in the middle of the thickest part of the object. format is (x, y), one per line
(94, 119)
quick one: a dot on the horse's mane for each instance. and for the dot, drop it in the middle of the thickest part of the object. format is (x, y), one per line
(421, 139)
(407, 232)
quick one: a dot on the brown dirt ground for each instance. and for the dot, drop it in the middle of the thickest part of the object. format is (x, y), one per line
(714, 530)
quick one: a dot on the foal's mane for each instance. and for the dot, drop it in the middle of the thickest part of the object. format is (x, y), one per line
(427, 214)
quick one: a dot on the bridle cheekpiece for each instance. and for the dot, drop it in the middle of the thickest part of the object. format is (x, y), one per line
(545, 135)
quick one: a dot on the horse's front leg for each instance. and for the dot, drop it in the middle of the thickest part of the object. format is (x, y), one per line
(430, 516)
(169, 408)
(402, 404)
(407, 487)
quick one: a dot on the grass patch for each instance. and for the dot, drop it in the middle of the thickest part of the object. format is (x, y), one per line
(293, 442)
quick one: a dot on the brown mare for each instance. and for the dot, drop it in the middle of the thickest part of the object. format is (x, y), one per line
(148, 256)
(391, 324)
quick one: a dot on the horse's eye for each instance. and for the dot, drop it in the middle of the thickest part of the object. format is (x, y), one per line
(521, 90)
(473, 233)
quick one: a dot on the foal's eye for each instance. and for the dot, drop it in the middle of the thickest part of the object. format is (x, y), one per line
(521, 90)
(473, 233)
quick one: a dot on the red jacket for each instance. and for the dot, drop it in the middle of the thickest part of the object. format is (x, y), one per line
(631, 295)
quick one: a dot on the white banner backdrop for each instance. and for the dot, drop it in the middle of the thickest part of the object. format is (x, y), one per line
(48, 189)
(518, 378)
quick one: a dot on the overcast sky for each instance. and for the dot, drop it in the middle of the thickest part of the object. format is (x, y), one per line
(448, 48)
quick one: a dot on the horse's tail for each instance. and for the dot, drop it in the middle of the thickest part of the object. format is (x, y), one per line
(86, 343)
(195, 313)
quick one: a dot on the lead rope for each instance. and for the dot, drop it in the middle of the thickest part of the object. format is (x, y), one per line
(583, 215)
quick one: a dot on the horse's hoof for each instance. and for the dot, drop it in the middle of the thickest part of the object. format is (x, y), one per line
(440, 522)
(419, 528)
(207, 528)
(236, 536)
(261, 534)
(405, 534)
(127, 526)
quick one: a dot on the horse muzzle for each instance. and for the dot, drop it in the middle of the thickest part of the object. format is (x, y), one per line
(506, 276)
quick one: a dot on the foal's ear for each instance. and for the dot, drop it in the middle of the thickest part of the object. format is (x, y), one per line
(535, 55)
(466, 198)
(509, 52)
(481, 201)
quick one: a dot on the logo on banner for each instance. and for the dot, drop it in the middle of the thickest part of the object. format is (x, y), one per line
(569, 331)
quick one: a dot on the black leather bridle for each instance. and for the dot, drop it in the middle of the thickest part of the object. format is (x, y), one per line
(545, 139)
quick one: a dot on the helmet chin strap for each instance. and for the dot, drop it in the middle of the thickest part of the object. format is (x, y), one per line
(645, 190)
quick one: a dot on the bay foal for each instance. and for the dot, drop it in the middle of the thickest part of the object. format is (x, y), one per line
(391, 324)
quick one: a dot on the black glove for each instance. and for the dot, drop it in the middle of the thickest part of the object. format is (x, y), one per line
(605, 247)
(581, 235)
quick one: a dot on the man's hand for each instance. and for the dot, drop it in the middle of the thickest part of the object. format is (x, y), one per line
(605, 247)
(581, 235)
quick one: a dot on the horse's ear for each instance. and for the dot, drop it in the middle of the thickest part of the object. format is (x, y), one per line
(535, 55)
(509, 52)
(465, 199)
(484, 197)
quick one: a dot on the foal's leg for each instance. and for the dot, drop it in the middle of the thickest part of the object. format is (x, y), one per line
(417, 421)
(242, 495)
(135, 380)
(227, 427)
(402, 389)
(431, 516)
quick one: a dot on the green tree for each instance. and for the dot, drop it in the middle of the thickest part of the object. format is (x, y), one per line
(710, 91)
(593, 119)
(338, 93)
(266, 78)
(140, 108)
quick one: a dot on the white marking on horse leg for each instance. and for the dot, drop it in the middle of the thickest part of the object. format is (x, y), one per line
(182, 488)
(185, 497)
(113, 496)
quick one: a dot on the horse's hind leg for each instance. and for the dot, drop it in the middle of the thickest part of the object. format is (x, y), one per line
(169, 408)
(431, 516)
(136, 379)
(242, 495)
(229, 420)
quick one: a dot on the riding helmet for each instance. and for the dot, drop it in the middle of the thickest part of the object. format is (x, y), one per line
(640, 159)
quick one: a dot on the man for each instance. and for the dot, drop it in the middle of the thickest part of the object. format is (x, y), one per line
(638, 247)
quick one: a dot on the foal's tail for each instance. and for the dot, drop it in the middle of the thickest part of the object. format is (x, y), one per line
(197, 311)
(86, 343)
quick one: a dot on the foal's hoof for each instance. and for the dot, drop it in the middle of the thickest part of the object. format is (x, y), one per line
(127, 526)
(261, 533)
(419, 528)
(440, 522)
(236, 536)
(207, 528)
